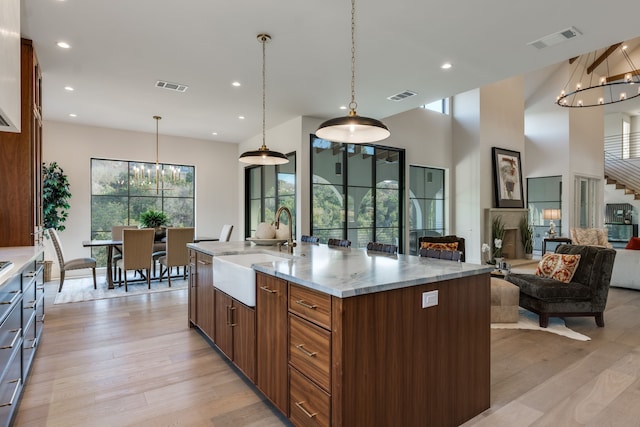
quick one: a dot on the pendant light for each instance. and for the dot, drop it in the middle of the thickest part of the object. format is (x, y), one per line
(353, 128)
(263, 156)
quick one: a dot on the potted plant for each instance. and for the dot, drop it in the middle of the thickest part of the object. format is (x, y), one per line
(526, 235)
(55, 203)
(155, 219)
(497, 233)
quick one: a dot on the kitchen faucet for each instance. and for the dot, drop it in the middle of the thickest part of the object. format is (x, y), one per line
(290, 243)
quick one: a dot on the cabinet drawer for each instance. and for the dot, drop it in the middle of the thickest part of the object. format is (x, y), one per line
(10, 388)
(308, 404)
(310, 350)
(9, 294)
(10, 336)
(311, 305)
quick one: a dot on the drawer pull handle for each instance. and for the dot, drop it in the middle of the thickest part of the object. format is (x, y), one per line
(15, 337)
(271, 291)
(203, 262)
(307, 413)
(30, 274)
(304, 304)
(305, 351)
(11, 301)
(18, 381)
(42, 318)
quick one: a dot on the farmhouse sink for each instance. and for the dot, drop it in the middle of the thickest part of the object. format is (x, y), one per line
(233, 275)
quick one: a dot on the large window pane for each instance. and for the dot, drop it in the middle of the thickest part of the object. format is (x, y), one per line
(426, 204)
(543, 193)
(122, 190)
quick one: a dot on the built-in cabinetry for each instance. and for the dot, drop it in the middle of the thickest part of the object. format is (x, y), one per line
(21, 162)
(620, 234)
(271, 330)
(21, 326)
(375, 359)
(228, 323)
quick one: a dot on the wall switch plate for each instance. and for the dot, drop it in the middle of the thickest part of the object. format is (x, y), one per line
(429, 299)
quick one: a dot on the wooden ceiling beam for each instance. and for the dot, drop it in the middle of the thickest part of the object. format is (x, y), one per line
(602, 57)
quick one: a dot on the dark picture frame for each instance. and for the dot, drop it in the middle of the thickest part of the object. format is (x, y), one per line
(507, 178)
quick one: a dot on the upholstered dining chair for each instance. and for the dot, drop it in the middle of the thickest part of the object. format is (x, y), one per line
(225, 233)
(72, 264)
(309, 239)
(116, 234)
(382, 247)
(344, 243)
(137, 247)
(177, 251)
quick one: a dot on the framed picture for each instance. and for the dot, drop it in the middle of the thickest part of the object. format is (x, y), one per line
(507, 178)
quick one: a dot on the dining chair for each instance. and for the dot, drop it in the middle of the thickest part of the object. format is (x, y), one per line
(72, 264)
(137, 247)
(382, 247)
(310, 239)
(344, 243)
(116, 234)
(225, 233)
(177, 251)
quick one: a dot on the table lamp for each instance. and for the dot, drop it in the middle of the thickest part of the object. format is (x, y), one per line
(551, 214)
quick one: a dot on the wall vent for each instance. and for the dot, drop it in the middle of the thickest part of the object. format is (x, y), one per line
(555, 38)
(402, 95)
(171, 86)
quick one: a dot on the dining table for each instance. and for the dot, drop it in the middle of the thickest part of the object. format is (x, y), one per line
(112, 245)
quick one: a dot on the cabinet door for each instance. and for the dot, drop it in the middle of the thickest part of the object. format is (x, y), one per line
(244, 339)
(223, 331)
(193, 300)
(204, 288)
(271, 332)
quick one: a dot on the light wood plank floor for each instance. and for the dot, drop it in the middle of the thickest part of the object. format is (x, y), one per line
(134, 362)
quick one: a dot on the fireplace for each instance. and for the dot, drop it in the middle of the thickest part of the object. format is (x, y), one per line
(512, 243)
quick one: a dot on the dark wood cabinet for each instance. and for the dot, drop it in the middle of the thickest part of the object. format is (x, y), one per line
(21, 162)
(271, 332)
(205, 298)
(235, 332)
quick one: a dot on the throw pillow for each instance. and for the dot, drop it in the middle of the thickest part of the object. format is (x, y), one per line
(634, 243)
(453, 246)
(560, 267)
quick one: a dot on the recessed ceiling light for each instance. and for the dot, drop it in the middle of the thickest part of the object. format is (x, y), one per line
(214, 133)
(236, 84)
(343, 107)
(69, 88)
(241, 117)
(446, 65)
(63, 45)
(73, 115)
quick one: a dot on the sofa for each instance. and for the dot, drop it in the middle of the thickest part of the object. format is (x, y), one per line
(582, 294)
(626, 269)
(447, 243)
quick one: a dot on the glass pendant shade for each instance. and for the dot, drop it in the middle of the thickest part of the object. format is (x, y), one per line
(353, 129)
(263, 156)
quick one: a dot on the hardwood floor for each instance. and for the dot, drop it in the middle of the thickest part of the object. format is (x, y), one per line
(134, 362)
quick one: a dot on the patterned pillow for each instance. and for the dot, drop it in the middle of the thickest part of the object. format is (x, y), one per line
(560, 267)
(587, 236)
(453, 246)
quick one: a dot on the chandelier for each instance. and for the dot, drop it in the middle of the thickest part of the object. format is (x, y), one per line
(353, 128)
(591, 82)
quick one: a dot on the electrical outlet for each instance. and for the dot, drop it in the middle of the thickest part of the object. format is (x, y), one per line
(429, 299)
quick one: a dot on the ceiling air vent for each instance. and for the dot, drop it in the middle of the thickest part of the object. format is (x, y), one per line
(555, 38)
(172, 86)
(402, 95)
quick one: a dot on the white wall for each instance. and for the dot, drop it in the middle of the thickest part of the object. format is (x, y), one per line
(73, 146)
(10, 64)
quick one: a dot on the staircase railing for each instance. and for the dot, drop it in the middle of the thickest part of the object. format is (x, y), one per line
(622, 160)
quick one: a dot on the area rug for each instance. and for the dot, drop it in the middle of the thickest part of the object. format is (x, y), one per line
(81, 289)
(529, 320)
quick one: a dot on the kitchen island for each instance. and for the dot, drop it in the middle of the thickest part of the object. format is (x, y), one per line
(343, 337)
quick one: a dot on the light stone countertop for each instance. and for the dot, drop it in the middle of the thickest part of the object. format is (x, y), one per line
(20, 256)
(346, 272)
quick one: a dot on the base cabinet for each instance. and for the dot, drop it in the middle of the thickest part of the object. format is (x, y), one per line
(21, 320)
(201, 301)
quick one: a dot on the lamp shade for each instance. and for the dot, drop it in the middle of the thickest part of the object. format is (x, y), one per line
(263, 156)
(353, 129)
(551, 214)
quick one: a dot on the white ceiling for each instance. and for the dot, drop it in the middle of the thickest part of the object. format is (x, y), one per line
(120, 48)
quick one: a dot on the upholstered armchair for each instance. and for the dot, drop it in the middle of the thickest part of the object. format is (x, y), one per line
(591, 237)
(447, 243)
(585, 294)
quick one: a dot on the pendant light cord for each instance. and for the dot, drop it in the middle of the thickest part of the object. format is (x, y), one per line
(353, 104)
(264, 39)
